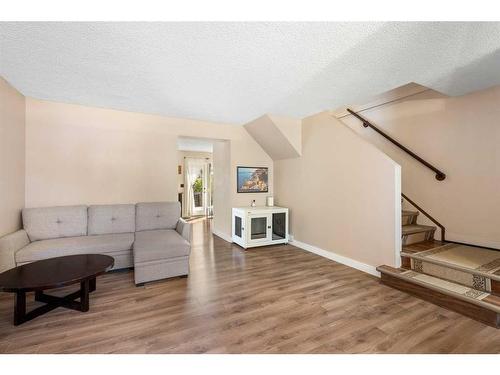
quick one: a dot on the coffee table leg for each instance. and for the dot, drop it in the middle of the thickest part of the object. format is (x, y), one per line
(92, 285)
(38, 295)
(19, 307)
(84, 295)
(52, 302)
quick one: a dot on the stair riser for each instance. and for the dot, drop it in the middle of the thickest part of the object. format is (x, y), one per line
(477, 282)
(406, 263)
(473, 311)
(418, 237)
(495, 287)
(406, 220)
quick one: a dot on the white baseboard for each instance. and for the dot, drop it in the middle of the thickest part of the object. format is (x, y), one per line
(321, 252)
(224, 236)
(336, 257)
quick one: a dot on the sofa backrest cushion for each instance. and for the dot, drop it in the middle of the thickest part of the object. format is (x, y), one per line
(112, 218)
(157, 215)
(55, 222)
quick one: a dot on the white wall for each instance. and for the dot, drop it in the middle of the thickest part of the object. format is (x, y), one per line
(343, 194)
(461, 136)
(85, 155)
(12, 158)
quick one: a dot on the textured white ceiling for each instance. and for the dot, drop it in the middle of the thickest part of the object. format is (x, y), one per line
(235, 72)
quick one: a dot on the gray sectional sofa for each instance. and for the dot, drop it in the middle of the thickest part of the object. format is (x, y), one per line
(151, 237)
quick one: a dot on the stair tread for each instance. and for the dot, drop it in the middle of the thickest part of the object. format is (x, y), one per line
(409, 213)
(450, 288)
(422, 246)
(469, 259)
(416, 228)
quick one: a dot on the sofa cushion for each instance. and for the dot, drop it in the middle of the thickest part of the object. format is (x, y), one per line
(55, 222)
(102, 244)
(112, 218)
(159, 215)
(159, 244)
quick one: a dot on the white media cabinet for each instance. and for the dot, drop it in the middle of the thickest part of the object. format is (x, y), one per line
(259, 226)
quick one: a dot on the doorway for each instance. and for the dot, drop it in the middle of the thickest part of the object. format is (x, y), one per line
(195, 181)
(198, 192)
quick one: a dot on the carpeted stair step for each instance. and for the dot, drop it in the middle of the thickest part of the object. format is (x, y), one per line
(409, 217)
(413, 233)
(478, 305)
(471, 266)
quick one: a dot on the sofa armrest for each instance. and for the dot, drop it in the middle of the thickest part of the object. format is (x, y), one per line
(9, 245)
(184, 229)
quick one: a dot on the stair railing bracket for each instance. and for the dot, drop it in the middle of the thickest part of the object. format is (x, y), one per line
(440, 176)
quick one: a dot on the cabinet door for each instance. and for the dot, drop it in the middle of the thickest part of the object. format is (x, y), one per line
(279, 226)
(238, 227)
(259, 228)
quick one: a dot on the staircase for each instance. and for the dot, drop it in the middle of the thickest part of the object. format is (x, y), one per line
(412, 232)
(460, 277)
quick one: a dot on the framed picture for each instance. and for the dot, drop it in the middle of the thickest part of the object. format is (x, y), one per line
(252, 179)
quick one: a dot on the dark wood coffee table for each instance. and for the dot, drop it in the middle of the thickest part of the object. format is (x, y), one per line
(54, 273)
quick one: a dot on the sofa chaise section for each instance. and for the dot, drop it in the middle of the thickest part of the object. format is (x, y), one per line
(162, 242)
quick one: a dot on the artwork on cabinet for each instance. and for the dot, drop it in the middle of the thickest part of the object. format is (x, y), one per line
(252, 179)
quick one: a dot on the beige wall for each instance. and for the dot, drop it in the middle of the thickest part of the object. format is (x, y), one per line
(291, 128)
(343, 193)
(227, 156)
(12, 158)
(461, 136)
(279, 136)
(223, 177)
(86, 155)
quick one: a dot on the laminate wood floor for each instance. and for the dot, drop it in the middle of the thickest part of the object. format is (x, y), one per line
(266, 300)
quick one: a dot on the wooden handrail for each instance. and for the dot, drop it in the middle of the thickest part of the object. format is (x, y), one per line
(443, 229)
(440, 176)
